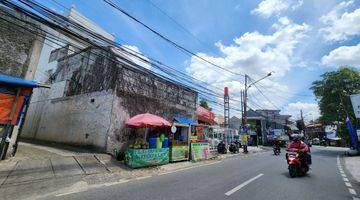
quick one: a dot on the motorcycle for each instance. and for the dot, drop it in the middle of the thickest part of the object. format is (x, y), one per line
(234, 148)
(276, 150)
(221, 148)
(295, 165)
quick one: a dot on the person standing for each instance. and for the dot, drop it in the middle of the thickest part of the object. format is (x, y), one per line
(244, 142)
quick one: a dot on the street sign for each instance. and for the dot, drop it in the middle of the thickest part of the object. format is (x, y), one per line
(355, 100)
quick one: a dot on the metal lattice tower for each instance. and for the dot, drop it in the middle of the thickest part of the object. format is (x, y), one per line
(226, 107)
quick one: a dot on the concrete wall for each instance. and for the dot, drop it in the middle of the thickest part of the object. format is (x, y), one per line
(77, 120)
(121, 92)
(19, 49)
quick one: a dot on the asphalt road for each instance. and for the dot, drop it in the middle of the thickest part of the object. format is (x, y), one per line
(262, 176)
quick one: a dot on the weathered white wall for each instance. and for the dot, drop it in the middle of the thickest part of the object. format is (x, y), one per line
(76, 120)
(119, 116)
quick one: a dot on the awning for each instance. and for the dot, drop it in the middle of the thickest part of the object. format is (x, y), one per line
(184, 120)
(205, 115)
(17, 82)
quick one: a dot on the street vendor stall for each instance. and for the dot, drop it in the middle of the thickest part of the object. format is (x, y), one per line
(153, 149)
(200, 147)
(180, 139)
(15, 96)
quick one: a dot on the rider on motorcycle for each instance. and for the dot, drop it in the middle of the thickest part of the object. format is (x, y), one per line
(299, 146)
(276, 144)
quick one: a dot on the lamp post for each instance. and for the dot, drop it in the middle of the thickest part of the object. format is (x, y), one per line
(245, 101)
(245, 93)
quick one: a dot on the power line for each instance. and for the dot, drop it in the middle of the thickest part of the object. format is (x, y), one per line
(138, 53)
(177, 23)
(265, 95)
(114, 5)
(58, 39)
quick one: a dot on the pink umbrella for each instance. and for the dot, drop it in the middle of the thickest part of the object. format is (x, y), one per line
(147, 119)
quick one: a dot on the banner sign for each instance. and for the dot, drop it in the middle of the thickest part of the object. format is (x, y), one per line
(178, 153)
(355, 101)
(200, 151)
(136, 158)
(330, 131)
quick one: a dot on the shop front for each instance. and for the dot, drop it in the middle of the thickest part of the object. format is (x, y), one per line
(180, 139)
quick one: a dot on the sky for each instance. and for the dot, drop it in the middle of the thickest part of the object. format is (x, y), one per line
(297, 40)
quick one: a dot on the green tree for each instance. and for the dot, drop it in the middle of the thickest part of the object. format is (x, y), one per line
(204, 104)
(333, 96)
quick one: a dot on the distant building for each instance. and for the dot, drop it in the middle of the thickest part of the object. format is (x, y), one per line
(219, 119)
(235, 123)
(264, 122)
(315, 130)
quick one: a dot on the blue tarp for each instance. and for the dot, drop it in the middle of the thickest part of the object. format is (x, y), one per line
(17, 82)
(184, 120)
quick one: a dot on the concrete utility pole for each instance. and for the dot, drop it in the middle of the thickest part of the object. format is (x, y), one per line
(242, 106)
(226, 107)
(245, 100)
(245, 94)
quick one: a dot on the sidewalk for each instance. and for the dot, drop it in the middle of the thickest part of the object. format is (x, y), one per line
(58, 170)
(352, 164)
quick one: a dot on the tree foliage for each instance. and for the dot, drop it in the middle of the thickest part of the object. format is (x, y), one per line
(333, 95)
(204, 104)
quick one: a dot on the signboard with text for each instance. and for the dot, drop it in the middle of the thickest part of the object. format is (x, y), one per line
(200, 151)
(355, 101)
(136, 158)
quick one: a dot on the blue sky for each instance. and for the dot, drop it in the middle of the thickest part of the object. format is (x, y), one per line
(299, 40)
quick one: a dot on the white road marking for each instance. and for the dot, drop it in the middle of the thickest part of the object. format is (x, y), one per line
(115, 183)
(242, 185)
(352, 191)
(183, 169)
(346, 180)
(143, 177)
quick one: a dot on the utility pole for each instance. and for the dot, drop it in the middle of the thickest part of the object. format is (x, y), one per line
(302, 122)
(226, 107)
(245, 100)
(242, 106)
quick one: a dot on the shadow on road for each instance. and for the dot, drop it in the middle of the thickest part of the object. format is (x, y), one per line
(327, 153)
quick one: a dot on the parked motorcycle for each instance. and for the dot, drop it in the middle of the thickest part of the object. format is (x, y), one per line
(221, 148)
(295, 165)
(233, 148)
(276, 150)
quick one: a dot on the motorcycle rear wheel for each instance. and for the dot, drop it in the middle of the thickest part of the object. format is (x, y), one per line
(292, 171)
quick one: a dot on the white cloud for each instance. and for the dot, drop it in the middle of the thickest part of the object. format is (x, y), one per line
(339, 23)
(268, 8)
(135, 55)
(344, 55)
(255, 54)
(310, 110)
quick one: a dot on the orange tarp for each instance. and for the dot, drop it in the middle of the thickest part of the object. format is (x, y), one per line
(6, 103)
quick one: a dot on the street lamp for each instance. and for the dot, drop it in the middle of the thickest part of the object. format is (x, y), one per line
(245, 92)
(244, 121)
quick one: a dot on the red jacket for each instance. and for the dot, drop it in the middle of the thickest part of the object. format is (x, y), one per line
(298, 146)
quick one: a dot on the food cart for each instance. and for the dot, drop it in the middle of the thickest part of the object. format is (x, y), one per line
(180, 139)
(200, 147)
(153, 149)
